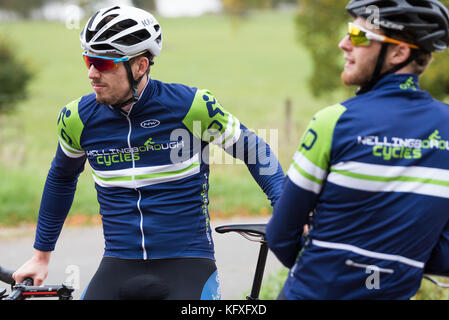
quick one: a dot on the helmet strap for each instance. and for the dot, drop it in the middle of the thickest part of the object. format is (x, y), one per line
(133, 85)
(377, 76)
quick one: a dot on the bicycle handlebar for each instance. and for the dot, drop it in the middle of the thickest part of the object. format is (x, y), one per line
(18, 289)
(6, 276)
(26, 289)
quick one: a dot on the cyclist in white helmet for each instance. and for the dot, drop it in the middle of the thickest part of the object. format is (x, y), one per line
(146, 142)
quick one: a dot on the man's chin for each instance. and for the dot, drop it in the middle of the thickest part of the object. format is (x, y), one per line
(103, 100)
(351, 80)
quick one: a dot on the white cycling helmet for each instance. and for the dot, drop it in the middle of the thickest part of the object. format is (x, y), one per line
(122, 30)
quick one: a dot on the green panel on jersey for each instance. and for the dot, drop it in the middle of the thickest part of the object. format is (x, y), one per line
(70, 128)
(205, 114)
(317, 140)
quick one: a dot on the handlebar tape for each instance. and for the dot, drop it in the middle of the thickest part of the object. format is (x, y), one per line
(6, 276)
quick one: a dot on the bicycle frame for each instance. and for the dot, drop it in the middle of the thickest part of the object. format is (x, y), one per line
(256, 233)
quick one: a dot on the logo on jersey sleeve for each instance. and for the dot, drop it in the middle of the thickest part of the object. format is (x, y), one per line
(65, 113)
(309, 139)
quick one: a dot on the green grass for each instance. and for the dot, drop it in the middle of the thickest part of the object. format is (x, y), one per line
(252, 69)
(274, 282)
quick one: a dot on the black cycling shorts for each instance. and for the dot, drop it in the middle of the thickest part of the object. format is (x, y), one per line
(160, 279)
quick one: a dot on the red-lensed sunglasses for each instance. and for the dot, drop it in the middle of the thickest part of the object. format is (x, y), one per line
(102, 63)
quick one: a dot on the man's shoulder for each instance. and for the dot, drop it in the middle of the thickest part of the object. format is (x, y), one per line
(329, 116)
(332, 110)
(81, 103)
(70, 125)
(165, 91)
(82, 107)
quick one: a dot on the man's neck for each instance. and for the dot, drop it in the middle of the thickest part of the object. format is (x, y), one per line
(141, 86)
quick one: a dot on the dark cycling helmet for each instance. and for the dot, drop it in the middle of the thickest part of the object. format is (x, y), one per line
(427, 21)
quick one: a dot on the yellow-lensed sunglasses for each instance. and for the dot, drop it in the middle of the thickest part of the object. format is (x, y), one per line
(362, 37)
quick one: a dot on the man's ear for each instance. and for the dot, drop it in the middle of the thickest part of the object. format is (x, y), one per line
(398, 54)
(141, 66)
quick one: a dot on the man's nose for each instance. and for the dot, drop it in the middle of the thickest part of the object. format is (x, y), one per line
(345, 44)
(93, 72)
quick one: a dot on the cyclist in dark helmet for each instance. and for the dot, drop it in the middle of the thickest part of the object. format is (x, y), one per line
(146, 142)
(371, 174)
(421, 23)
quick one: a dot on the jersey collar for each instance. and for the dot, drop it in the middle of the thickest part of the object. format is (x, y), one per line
(401, 81)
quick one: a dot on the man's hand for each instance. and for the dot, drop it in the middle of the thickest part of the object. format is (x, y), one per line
(35, 268)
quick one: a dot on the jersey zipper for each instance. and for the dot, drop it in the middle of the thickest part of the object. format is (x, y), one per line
(135, 186)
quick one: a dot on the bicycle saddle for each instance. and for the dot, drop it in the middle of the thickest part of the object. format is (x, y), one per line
(250, 229)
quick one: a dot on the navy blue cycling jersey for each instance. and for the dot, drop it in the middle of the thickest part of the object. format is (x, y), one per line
(372, 176)
(151, 171)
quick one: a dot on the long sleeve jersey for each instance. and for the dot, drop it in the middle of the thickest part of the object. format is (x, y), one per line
(151, 170)
(371, 175)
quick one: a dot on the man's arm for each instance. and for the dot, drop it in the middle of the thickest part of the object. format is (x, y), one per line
(302, 186)
(290, 215)
(58, 194)
(210, 122)
(62, 178)
(57, 199)
(261, 161)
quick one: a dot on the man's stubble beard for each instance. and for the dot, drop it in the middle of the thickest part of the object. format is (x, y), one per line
(111, 100)
(359, 78)
(362, 76)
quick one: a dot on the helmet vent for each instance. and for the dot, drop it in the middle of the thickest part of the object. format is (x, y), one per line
(159, 39)
(116, 28)
(108, 34)
(100, 47)
(89, 35)
(133, 38)
(113, 8)
(105, 21)
(386, 4)
(419, 3)
(125, 24)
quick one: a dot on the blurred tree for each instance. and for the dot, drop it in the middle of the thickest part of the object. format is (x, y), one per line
(238, 9)
(241, 6)
(22, 7)
(149, 5)
(235, 7)
(14, 77)
(321, 25)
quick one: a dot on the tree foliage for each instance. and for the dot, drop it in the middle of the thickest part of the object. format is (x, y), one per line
(240, 7)
(149, 5)
(321, 25)
(14, 77)
(21, 7)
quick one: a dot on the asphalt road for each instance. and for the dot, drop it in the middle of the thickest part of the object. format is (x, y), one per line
(79, 251)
